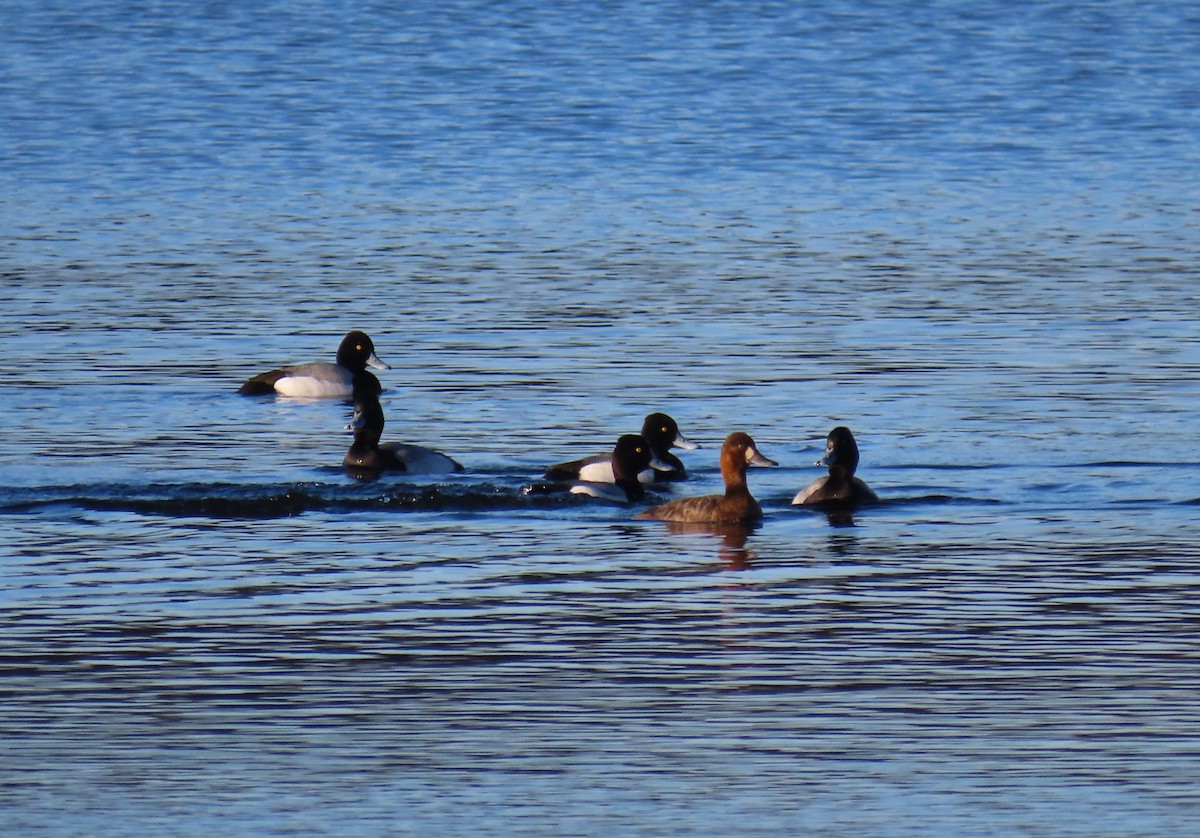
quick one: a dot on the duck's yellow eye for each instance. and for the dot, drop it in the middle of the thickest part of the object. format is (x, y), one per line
(639, 449)
(664, 429)
(358, 347)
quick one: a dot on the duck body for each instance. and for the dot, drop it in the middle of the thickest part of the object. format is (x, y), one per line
(835, 488)
(594, 469)
(736, 506)
(367, 455)
(398, 456)
(346, 377)
(839, 487)
(660, 433)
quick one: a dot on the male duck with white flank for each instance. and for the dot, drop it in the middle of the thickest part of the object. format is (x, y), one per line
(320, 379)
(659, 431)
(630, 457)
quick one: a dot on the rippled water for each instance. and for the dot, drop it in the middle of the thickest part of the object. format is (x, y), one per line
(967, 231)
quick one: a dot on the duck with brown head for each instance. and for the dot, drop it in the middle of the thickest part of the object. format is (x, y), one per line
(840, 486)
(736, 506)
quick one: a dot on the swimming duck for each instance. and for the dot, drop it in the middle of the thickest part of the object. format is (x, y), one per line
(368, 457)
(736, 506)
(659, 431)
(630, 457)
(840, 486)
(321, 379)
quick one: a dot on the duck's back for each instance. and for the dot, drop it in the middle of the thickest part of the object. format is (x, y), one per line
(317, 379)
(262, 384)
(594, 469)
(830, 490)
(720, 509)
(420, 460)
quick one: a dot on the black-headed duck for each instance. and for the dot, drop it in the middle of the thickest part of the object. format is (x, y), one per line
(630, 457)
(840, 486)
(659, 431)
(366, 456)
(320, 379)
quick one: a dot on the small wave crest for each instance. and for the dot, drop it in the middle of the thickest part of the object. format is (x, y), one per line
(230, 500)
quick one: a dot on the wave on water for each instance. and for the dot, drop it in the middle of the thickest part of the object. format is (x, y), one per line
(259, 500)
(231, 500)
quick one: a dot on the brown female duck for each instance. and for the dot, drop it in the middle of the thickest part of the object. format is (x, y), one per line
(736, 506)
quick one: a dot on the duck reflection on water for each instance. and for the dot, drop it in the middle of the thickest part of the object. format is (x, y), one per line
(732, 539)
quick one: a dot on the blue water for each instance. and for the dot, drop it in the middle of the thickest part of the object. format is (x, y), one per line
(966, 230)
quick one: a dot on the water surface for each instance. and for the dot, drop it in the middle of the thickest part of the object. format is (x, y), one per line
(966, 231)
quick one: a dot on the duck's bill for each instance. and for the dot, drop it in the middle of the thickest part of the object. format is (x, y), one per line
(374, 362)
(759, 460)
(683, 442)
